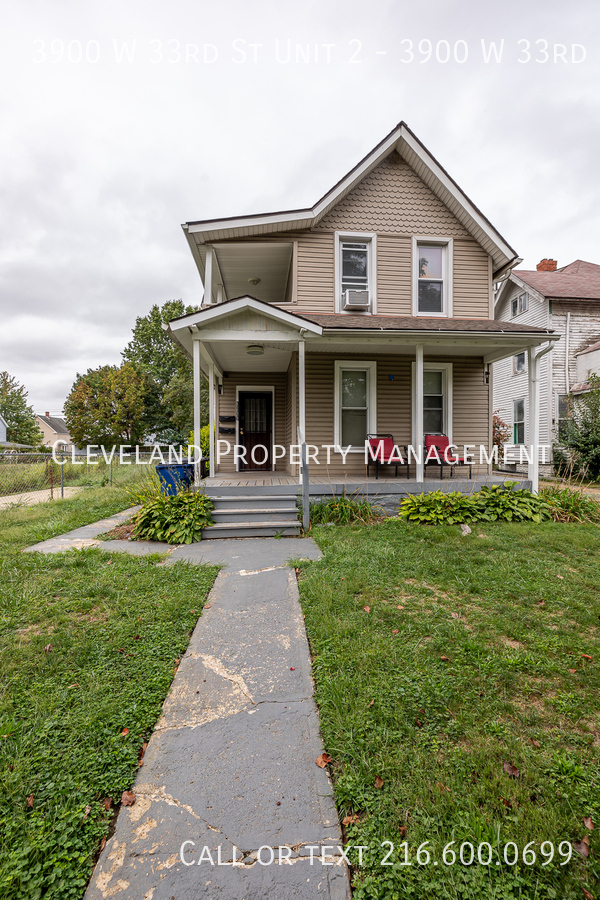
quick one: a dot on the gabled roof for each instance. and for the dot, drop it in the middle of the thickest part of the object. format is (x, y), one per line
(57, 424)
(236, 304)
(410, 148)
(579, 280)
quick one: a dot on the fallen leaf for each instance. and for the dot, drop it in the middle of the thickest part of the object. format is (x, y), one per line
(507, 803)
(401, 607)
(107, 802)
(207, 606)
(350, 820)
(121, 649)
(443, 787)
(418, 723)
(30, 801)
(142, 751)
(445, 659)
(541, 602)
(587, 895)
(136, 637)
(455, 615)
(109, 563)
(572, 671)
(48, 648)
(395, 631)
(402, 830)
(587, 821)
(124, 732)
(562, 577)
(535, 744)
(511, 770)
(378, 782)
(102, 843)
(192, 612)
(586, 656)
(87, 811)
(582, 847)
(372, 702)
(322, 760)
(127, 798)
(367, 608)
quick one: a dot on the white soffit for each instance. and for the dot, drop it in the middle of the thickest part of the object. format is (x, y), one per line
(269, 261)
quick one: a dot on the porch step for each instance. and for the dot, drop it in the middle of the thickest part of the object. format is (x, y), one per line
(252, 515)
(287, 528)
(272, 514)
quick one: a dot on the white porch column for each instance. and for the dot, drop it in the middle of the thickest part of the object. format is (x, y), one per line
(418, 435)
(208, 276)
(533, 466)
(196, 376)
(211, 417)
(301, 395)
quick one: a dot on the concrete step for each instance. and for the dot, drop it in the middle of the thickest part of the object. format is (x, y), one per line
(275, 514)
(264, 528)
(265, 501)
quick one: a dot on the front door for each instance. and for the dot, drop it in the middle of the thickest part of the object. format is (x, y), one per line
(256, 416)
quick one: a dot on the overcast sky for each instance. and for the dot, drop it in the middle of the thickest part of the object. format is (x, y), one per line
(119, 121)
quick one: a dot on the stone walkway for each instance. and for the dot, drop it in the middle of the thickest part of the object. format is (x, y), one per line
(230, 803)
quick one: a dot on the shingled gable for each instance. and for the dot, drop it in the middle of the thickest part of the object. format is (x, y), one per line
(401, 140)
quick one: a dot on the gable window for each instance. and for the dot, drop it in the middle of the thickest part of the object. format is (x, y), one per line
(437, 398)
(355, 386)
(432, 267)
(518, 305)
(519, 363)
(355, 278)
(519, 422)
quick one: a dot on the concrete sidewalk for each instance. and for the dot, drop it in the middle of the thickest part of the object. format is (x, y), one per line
(229, 782)
(31, 498)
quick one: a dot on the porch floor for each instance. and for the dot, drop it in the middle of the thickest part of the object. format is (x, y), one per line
(353, 482)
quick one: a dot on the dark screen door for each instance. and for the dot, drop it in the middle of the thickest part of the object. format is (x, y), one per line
(256, 414)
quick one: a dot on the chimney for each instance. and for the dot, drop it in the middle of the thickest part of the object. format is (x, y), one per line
(546, 265)
(47, 414)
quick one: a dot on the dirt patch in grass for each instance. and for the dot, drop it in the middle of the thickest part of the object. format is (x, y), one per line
(510, 642)
(29, 631)
(120, 533)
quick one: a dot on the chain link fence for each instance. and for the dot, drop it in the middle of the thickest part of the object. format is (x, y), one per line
(29, 473)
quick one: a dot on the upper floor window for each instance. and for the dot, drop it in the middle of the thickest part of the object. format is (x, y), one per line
(355, 276)
(432, 290)
(519, 363)
(518, 305)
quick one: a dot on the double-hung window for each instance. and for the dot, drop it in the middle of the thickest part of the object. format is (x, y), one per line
(518, 305)
(563, 410)
(519, 422)
(432, 280)
(437, 398)
(355, 403)
(519, 363)
(355, 276)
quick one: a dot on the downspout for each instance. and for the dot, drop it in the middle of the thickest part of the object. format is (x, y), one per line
(567, 353)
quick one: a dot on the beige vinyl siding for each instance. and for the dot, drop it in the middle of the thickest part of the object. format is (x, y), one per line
(316, 273)
(472, 283)
(394, 275)
(470, 413)
(227, 407)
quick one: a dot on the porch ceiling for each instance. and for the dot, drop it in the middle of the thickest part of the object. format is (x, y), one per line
(268, 261)
(232, 356)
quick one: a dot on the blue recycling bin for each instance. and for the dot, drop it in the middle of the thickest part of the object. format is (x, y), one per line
(175, 478)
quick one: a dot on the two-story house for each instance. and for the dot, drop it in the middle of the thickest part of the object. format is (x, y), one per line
(371, 312)
(566, 300)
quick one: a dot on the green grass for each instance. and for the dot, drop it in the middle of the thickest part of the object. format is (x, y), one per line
(512, 607)
(89, 643)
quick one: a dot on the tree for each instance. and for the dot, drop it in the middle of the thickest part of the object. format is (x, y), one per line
(580, 431)
(168, 412)
(106, 406)
(19, 417)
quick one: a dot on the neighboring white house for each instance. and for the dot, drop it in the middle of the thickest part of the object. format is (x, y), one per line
(566, 300)
(3, 427)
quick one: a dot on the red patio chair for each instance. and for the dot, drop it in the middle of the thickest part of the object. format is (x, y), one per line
(442, 443)
(382, 448)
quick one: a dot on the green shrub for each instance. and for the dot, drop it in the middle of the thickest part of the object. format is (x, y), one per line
(342, 511)
(490, 504)
(176, 519)
(568, 505)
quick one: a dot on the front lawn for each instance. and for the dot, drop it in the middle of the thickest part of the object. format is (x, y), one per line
(458, 683)
(89, 644)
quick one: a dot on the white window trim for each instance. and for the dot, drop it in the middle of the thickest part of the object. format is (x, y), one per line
(446, 369)
(514, 361)
(448, 265)
(371, 367)
(259, 389)
(524, 420)
(341, 237)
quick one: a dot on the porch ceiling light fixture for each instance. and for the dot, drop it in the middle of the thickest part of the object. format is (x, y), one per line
(254, 281)
(255, 350)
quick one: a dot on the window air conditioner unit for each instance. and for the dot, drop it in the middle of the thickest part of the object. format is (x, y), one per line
(356, 299)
